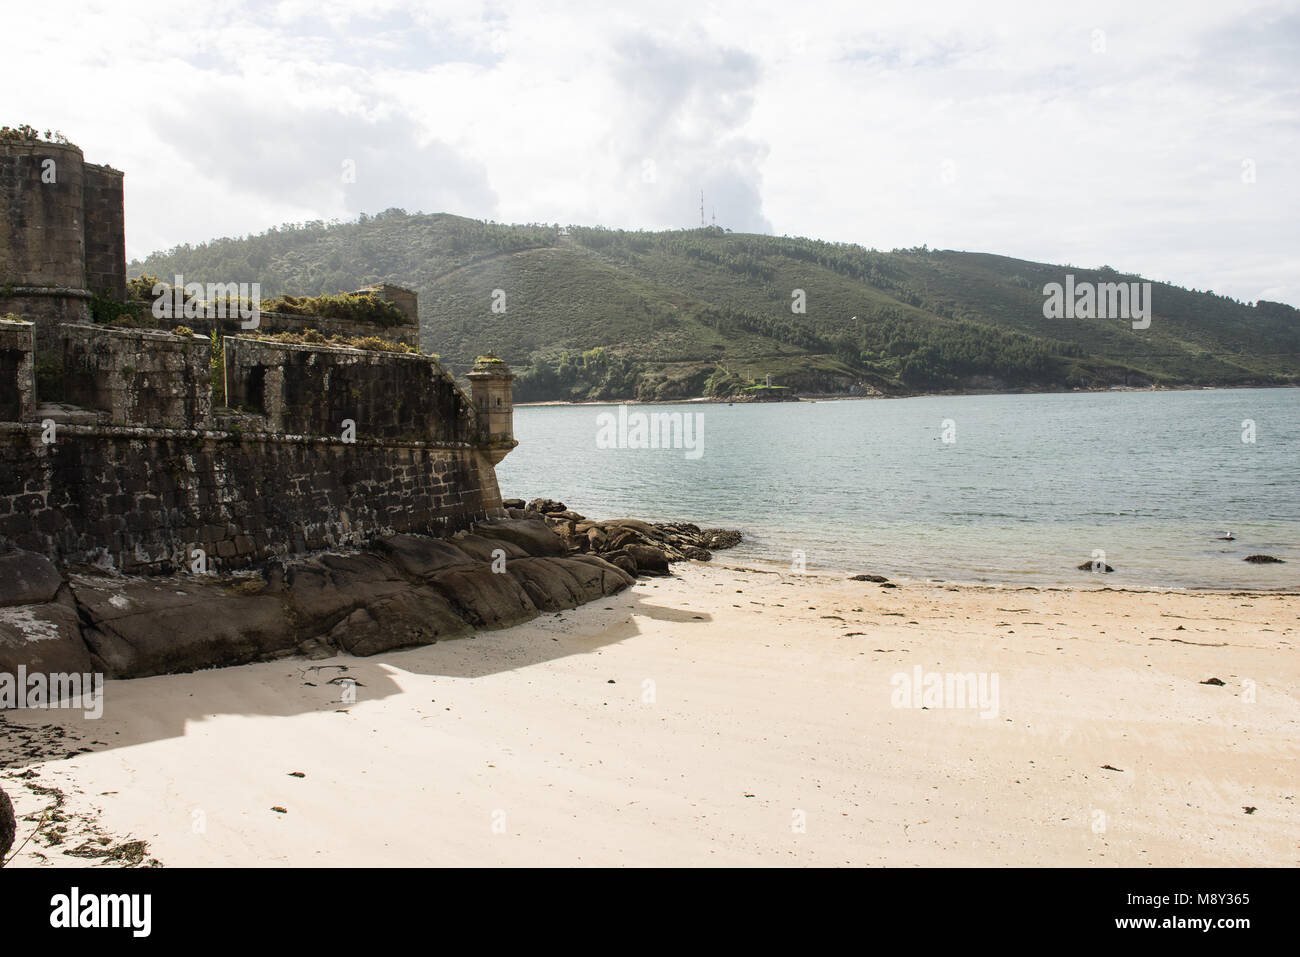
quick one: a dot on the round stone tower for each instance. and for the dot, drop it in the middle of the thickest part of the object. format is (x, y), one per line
(491, 391)
(42, 194)
(62, 234)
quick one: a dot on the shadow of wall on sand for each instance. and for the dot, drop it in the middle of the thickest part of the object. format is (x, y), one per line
(143, 710)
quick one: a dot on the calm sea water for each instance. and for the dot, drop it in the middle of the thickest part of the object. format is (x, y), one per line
(1028, 489)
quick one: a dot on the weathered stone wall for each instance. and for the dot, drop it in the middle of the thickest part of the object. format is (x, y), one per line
(17, 373)
(141, 499)
(42, 237)
(311, 390)
(48, 309)
(272, 322)
(404, 299)
(105, 231)
(137, 376)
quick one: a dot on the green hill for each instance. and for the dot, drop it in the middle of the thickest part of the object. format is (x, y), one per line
(597, 313)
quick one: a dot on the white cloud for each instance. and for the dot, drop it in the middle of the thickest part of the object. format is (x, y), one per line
(1108, 134)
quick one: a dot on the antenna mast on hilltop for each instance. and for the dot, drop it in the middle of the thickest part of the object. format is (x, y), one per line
(701, 209)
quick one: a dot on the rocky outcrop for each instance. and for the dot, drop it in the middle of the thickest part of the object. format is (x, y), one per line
(321, 592)
(717, 538)
(484, 598)
(8, 826)
(635, 547)
(27, 578)
(1095, 567)
(560, 583)
(403, 590)
(398, 621)
(483, 549)
(139, 627)
(44, 637)
(533, 537)
(418, 556)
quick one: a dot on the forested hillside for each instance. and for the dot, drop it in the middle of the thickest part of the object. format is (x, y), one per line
(594, 313)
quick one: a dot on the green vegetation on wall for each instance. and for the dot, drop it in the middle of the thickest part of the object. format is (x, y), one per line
(318, 338)
(358, 307)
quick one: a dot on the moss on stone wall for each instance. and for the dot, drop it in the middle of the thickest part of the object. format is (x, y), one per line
(356, 307)
(315, 337)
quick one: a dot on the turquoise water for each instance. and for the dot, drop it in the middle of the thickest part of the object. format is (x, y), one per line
(1029, 487)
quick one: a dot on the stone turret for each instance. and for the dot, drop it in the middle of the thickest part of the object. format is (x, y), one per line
(62, 234)
(490, 388)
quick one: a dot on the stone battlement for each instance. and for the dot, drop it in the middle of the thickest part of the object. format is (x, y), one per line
(312, 389)
(136, 376)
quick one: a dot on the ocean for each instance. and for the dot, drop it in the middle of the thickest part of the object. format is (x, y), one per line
(1007, 489)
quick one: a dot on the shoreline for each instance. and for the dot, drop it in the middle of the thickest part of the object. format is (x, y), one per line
(762, 567)
(690, 719)
(835, 396)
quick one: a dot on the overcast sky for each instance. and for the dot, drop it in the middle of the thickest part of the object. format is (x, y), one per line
(1159, 138)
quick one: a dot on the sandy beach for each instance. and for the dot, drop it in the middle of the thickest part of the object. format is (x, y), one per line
(722, 716)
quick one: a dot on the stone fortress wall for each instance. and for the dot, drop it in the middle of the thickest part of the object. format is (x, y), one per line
(114, 451)
(186, 493)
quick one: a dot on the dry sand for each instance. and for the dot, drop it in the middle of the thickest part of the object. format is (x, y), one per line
(720, 717)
